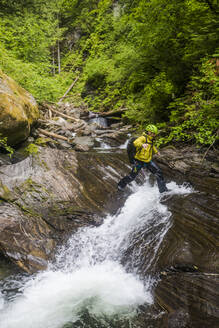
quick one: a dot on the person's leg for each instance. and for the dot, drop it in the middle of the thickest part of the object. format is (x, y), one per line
(131, 176)
(153, 168)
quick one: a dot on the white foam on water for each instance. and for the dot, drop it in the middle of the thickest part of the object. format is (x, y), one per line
(88, 273)
(124, 145)
(183, 189)
(56, 297)
(103, 145)
(1, 301)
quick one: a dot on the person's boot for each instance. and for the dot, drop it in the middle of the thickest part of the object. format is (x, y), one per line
(164, 190)
(120, 188)
(121, 185)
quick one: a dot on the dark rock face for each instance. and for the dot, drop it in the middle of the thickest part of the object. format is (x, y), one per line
(187, 164)
(190, 299)
(187, 263)
(47, 197)
(188, 260)
(193, 236)
(25, 241)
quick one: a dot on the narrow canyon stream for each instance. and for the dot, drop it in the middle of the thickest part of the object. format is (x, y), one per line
(95, 280)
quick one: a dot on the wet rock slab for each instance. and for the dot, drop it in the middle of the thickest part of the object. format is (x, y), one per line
(188, 261)
(27, 243)
(187, 264)
(191, 299)
(45, 198)
(198, 167)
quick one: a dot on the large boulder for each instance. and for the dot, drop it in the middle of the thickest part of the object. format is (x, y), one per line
(18, 110)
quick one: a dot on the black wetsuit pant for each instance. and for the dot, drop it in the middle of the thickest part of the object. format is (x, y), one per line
(152, 167)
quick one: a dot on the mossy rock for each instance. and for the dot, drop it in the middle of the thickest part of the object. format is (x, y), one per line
(18, 110)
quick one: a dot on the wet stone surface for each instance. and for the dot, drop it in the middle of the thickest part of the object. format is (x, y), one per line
(46, 198)
(191, 244)
(43, 199)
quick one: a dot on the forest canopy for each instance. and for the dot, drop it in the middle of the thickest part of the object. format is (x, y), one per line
(158, 59)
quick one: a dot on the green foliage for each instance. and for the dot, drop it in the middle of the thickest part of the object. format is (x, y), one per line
(41, 85)
(150, 57)
(28, 33)
(144, 50)
(4, 145)
(42, 141)
(140, 55)
(195, 117)
(31, 31)
(27, 38)
(32, 149)
(153, 100)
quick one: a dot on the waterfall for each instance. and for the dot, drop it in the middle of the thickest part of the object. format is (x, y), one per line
(100, 121)
(91, 273)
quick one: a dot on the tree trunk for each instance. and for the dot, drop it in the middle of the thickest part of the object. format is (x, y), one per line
(53, 135)
(69, 89)
(61, 114)
(59, 59)
(53, 61)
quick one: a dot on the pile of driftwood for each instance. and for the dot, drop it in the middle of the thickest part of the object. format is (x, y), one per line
(62, 123)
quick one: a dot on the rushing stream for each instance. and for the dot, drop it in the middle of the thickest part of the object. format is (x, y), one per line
(93, 273)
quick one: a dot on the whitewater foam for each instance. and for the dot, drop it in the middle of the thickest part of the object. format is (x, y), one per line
(88, 274)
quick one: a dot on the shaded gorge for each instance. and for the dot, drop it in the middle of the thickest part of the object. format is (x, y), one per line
(132, 259)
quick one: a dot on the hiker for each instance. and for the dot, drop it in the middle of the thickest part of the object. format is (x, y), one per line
(144, 150)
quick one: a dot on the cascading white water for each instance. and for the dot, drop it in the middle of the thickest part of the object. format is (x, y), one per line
(100, 121)
(88, 274)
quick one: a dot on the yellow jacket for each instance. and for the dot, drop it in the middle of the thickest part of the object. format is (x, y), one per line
(142, 154)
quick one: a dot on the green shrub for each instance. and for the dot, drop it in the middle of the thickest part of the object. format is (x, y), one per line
(195, 116)
(32, 149)
(4, 145)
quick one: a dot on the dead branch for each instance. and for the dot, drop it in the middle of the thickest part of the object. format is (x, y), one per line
(42, 121)
(205, 154)
(50, 114)
(112, 113)
(69, 89)
(61, 114)
(83, 125)
(53, 135)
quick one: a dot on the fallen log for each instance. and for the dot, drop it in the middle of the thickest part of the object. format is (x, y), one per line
(83, 125)
(112, 113)
(99, 132)
(46, 122)
(53, 135)
(62, 115)
(69, 89)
